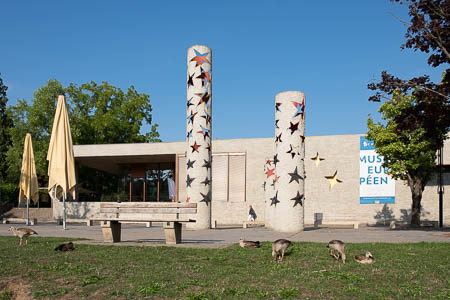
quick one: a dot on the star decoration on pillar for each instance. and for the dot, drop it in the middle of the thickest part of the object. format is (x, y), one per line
(195, 147)
(291, 151)
(276, 124)
(191, 117)
(293, 127)
(317, 159)
(333, 180)
(207, 117)
(189, 180)
(190, 164)
(278, 138)
(206, 181)
(270, 172)
(190, 82)
(204, 76)
(200, 58)
(188, 199)
(275, 160)
(203, 131)
(207, 164)
(277, 106)
(206, 198)
(298, 199)
(189, 102)
(204, 98)
(264, 185)
(189, 135)
(295, 176)
(276, 179)
(300, 108)
(209, 147)
(303, 138)
(274, 200)
(269, 162)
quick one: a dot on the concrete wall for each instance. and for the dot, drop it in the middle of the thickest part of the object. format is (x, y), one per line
(341, 154)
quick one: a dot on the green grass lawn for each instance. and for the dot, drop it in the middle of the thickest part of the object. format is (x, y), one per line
(122, 272)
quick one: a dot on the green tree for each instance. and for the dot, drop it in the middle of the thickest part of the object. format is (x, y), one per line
(98, 114)
(5, 125)
(409, 151)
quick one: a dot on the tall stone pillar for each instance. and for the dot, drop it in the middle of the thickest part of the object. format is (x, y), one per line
(199, 134)
(288, 201)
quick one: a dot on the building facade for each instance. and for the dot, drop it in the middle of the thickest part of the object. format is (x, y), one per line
(334, 188)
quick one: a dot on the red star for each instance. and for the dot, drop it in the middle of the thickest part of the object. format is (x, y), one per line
(269, 162)
(270, 172)
(200, 58)
(188, 199)
(195, 147)
(276, 178)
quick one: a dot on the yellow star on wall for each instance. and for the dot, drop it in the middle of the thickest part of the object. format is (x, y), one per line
(317, 159)
(333, 180)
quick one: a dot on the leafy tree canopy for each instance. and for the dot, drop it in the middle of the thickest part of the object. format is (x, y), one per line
(98, 114)
(5, 125)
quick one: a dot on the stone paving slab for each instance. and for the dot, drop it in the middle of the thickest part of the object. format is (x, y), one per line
(138, 234)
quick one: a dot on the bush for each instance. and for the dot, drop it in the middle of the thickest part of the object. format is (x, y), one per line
(9, 194)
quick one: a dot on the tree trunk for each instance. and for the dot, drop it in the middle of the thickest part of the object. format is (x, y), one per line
(416, 192)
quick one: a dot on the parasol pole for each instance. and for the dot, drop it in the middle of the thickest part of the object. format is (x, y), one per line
(64, 205)
(28, 212)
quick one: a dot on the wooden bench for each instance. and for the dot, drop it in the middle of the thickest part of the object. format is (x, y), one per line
(171, 214)
(33, 221)
(246, 224)
(88, 222)
(405, 224)
(337, 220)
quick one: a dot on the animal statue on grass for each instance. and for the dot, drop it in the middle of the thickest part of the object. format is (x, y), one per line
(65, 247)
(280, 246)
(365, 259)
(249, 244)
(339, 247)
(22, 233)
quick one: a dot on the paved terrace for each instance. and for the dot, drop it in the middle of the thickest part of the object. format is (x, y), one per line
(223, 236)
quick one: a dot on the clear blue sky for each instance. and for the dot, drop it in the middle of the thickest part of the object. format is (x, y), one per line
(330, 50)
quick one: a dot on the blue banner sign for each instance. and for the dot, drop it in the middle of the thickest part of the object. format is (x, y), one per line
(375, 186)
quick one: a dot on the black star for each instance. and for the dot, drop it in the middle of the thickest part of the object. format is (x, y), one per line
(190, 164)
(291, 151)
(207, 117)
(207, 164)
(204, 98)
(276, 124)
(274, 200)
(298, 199)
(190, 82)
(303, 138)
(204, 76)
(189, 181)
(264, 185)
(189, 103)
(191, 117)
(294, 176)
(207, 181)
(277, 106)
(293, 127)
(278, 138)
(189, 135)
(206, 198)
(275, 159)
